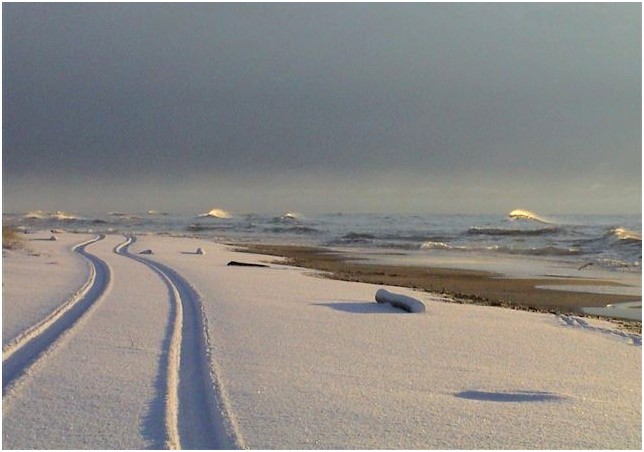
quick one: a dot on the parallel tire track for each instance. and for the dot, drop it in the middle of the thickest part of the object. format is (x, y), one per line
(194, 413)
(28, 347)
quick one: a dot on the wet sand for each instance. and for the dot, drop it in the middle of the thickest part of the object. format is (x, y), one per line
(464, 286)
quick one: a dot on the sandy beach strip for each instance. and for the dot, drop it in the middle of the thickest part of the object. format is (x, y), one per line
(461, 285)
(302, 362)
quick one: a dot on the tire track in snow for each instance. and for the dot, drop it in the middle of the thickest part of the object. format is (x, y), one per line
(194, 414)
(28, 347)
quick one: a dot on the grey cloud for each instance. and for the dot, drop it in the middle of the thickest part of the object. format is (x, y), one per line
(131, 90)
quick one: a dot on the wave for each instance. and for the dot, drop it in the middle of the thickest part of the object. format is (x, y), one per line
(36, 215)
(202, 227)
(521, 214)
(156, 212)
(544, 251)
(215, 213)
(288, 218)
(58, 215)
(503, 231)
(292, 216)
(535, 251)
(626, 235)
(437, 245)
(614, 238)
(294, 230)
(354, 237)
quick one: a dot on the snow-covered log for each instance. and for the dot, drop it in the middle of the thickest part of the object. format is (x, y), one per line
(409, 304)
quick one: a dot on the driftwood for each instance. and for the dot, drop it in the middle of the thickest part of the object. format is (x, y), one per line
(245, 264)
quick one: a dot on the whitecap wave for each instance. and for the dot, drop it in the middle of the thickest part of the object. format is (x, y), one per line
(36, 215)
(521, 214)
(292, 216)
(60, 215)
(215, 213)
(627, 235)
(42, 215)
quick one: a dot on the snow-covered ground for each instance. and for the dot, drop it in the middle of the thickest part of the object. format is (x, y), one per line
(289, 360)
(37, 278)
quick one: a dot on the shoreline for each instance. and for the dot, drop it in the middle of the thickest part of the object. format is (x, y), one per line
(461, 286)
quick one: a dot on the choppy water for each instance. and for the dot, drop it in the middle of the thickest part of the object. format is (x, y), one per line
(608, 242)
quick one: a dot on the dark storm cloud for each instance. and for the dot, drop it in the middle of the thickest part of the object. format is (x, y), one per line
(114, 90)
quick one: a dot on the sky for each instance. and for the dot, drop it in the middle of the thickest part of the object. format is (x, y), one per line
(398, 108)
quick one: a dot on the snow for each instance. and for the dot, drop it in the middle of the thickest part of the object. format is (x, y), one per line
(309, 362)
(58, 271)
(98, 388)
(304, 362)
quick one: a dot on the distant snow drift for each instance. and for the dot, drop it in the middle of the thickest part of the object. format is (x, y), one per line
(409, 304)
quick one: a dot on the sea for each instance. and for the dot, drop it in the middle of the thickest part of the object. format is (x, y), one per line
(609, 242)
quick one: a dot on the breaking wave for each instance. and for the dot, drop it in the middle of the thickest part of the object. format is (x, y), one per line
(521, 214)
(215, 213)
(626, 235)
(58, 215)
(292, 216)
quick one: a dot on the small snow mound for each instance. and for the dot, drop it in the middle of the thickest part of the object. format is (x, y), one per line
(53, 238)
(200, 251)
(409, 304)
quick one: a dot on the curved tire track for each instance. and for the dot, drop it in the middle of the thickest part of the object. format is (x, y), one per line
(27, 348)
(194, 414)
